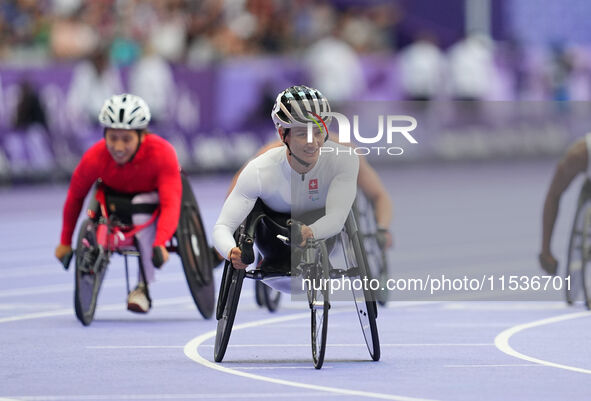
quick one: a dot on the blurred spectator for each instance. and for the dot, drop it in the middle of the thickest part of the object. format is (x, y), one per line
(471, 68)
(71, 37)
(29, 110)
(422, 66)
(335, 68)
(168, 35)
(152, 79)
(93, 81)
(559, 70)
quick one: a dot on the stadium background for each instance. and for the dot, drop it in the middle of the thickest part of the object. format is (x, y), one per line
(210, 69)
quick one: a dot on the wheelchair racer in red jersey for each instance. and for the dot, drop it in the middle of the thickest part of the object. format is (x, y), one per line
(295, 179)
(131, 161)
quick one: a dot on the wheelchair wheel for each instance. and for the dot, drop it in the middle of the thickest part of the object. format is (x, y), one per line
(266, 296)
(227, 306)
(319, 306)
(195, 253)
(578, 249)
(586, 252)
(259, 293)
(91, 266)
(375, 250)
(364, 300)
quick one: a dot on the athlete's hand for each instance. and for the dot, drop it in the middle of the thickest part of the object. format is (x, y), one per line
(306, 233)
(159, 255)
(548, 262)
(64, 254)
(385, 238)
(62, 250)
(235, 257)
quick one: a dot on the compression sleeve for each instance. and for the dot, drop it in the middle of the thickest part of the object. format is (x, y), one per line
(85, 174)
(170, 191)
(236, 208)
(339, 200)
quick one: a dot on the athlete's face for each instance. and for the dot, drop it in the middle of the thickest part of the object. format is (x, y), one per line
(122, 144)
(299, 145)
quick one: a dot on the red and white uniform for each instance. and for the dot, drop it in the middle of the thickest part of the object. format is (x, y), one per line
(154, 168)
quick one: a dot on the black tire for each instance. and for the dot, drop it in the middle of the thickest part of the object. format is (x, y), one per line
(259, 293)
(319, 307)
(195, 253)
(579, 240)
(271, 298)
(364, 299)
(228, 303)
(91, 267)
(377, 261)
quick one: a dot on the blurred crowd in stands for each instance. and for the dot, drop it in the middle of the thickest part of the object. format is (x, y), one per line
(351, 50)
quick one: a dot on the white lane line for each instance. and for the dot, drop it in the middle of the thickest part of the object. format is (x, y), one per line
(70, 311)
(507, 365)
(353, 345)
(284, 346)
(277, 367)
(21, 306)
(192, 346)
(39, 270)
(502, 340)
(506, 306)
(49, 289)
(133, 346)
(223, 396)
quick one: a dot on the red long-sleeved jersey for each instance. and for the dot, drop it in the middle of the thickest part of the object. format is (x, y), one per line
(154, 167)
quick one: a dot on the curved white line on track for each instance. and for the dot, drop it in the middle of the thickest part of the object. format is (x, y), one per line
(502, 340)
(192, 353)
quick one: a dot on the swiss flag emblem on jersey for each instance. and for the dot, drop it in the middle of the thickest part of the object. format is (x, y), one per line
(313, 184)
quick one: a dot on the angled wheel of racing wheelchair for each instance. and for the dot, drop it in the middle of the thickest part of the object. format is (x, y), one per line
(365, 303)
(315, 268)
(266, 296)
(228, 299)
(91, 266)
(579, 250)
(374, 244)
(195, 253)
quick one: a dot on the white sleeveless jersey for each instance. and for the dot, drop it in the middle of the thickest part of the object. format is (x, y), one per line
(330, 184)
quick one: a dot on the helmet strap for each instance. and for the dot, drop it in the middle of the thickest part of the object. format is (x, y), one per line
(283, 138)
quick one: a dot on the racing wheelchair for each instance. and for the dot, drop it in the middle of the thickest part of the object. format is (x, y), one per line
(103, 234)
(579, 250)
(375, 246)
(273, 233)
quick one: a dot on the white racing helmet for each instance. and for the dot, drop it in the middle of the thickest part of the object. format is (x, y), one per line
(125, 111)
(299, 105)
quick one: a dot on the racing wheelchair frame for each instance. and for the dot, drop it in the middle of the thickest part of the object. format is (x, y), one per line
(375, 247)
(311, 263)
(579, 250)
(101, 235)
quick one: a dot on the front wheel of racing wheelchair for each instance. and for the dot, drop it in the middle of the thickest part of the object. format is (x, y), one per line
(92, 258)
(578, 271)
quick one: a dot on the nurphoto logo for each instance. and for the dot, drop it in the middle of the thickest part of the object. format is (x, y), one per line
(395, 125)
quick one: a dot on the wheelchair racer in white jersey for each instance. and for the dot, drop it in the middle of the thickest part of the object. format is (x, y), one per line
(296, 178)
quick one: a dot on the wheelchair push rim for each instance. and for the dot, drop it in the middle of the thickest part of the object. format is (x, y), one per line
(195, 254)
(91, 266)
(319, 307)
(233, 281)
(365, 303)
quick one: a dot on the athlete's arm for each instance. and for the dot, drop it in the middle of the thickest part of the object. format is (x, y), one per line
(340, 198)
(85, 174)
(170, 192)
(574, 162)
(236, 208)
